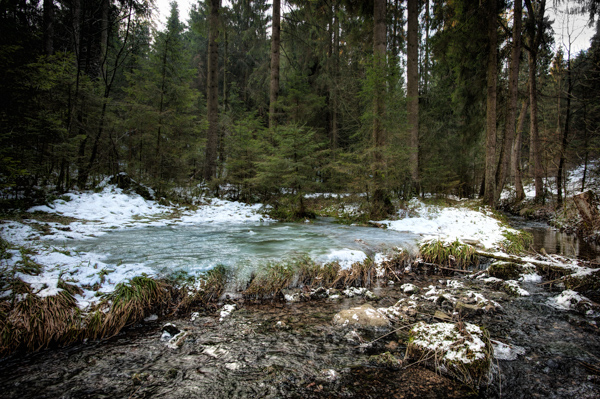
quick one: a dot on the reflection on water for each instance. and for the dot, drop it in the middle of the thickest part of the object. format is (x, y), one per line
(555, 242)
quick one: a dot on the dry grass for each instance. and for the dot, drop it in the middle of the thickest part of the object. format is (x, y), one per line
(474, 374)
(127, 304)
(203, 289)
(33, 323)
(360, 274)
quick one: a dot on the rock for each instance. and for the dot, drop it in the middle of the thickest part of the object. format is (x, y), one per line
(127, 184)
(466, 310)
(409, 289)
(505, 270)
(171, 329)
(364, 316)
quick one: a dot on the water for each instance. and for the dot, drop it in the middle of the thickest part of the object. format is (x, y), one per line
(555, 242)
(195, 248)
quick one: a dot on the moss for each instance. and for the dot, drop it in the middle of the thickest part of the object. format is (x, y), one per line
(386, 360)
(505, 270)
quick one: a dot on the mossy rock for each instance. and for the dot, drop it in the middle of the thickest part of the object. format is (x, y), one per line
(505, 270)
(386, 360)
(462, 350)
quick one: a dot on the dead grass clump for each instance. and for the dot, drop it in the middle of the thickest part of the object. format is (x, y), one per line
(395, 265)
(127, 304)
(271, 280)
(360, 274)
(32, 322)
(207, 287)
(311, 274)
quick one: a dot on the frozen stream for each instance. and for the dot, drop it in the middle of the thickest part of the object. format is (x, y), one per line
(199, 247)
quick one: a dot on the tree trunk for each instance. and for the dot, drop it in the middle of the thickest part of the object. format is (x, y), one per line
(412, 86)
(104, 39)
(516, 154)
(565, 137)
(275, 44)
(513, 85)
(534, 146)
(535, 32)
(381, 203)
(490, 153)
(210, 166)
(48, 27)
(336, 70)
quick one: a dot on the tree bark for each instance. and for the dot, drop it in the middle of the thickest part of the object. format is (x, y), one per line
(490, 151)
(48, 27)
(412, 86)
(104, 39)
(513, 85)
(380, 202)
(336, 71)
(210, 165)
(565, 136)
(275, 53)
(535, 31)
(516, 154)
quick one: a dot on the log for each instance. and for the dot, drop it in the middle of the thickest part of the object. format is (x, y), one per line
(587, 205)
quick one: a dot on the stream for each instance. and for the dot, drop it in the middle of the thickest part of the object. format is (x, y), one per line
(292, 350)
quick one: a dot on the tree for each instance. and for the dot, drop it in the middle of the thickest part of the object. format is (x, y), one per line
(535, 32)
(275, 47)
(160, 108)
(513, 94)
(412, 85)
(210, 166)
(380, 202)
(492, 76)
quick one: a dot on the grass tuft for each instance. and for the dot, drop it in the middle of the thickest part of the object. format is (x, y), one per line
(127, 304)
(455, 254)
(516, 242)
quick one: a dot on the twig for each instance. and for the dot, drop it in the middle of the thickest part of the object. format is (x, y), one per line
(392, 332)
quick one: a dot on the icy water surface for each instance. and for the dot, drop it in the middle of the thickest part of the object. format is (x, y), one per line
(194, 248)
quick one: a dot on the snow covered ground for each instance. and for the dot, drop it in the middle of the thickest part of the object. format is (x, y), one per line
(450, 224)
(573, 183)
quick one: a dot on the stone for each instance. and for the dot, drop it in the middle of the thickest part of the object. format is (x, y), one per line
(363, 316)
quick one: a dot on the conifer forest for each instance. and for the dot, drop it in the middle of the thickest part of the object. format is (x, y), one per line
(255, 99)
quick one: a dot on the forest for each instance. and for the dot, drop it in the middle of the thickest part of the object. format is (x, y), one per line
(253, 101)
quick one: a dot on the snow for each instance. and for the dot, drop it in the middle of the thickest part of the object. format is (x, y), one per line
(567, 300)
(504, 351)
(345, 257)
(450, 224)
(226, 311)
(445, 337)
